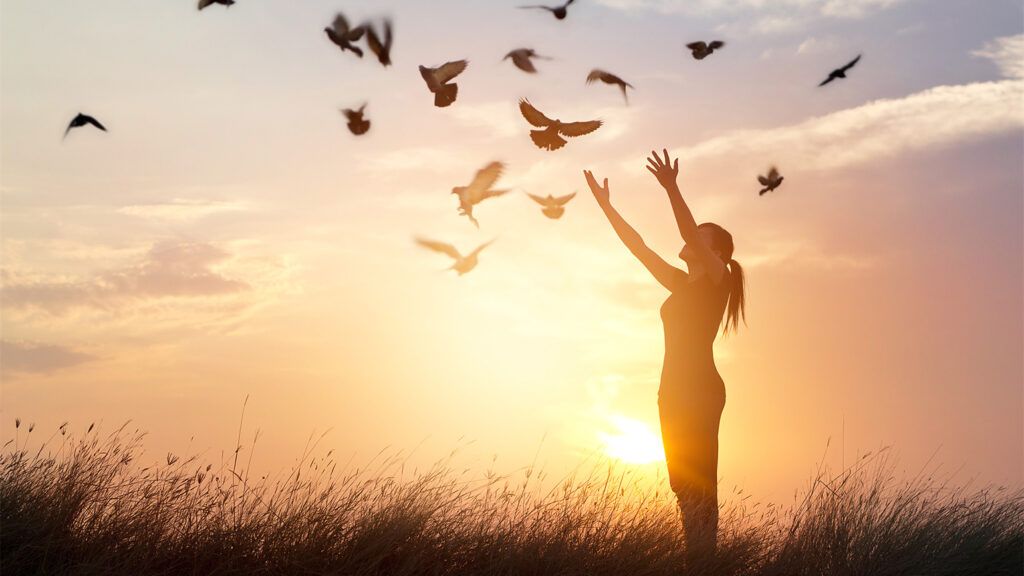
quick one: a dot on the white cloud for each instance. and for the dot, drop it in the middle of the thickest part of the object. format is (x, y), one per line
(499, 119)
(1008, 54)
(814, 45)
(791, 10)
(182, 209)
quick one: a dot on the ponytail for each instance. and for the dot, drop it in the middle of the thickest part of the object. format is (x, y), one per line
(736, 308)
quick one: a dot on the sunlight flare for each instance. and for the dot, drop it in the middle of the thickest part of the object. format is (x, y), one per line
(632, 442)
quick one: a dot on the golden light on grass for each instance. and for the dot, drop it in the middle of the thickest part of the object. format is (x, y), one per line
(632, 442)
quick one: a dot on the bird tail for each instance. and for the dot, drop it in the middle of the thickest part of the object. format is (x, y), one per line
(763, 190)
(445, 95)
(547, 140)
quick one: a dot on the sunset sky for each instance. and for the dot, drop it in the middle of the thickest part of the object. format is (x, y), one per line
(228, 237)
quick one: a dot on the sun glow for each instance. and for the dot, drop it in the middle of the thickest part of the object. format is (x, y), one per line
(633, 442)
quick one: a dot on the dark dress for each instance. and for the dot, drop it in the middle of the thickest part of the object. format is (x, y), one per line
(690, 402)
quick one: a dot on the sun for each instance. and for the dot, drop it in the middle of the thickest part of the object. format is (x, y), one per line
(632, 442)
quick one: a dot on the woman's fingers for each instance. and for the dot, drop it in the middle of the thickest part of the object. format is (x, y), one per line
(667, 161)
(652, 171)
(675, 165)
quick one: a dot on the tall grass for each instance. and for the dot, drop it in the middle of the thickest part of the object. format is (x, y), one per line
(84, 505)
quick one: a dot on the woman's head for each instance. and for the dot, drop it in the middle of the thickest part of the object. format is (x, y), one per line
(720, 242)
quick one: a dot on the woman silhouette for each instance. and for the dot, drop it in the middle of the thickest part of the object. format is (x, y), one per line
(692, 394)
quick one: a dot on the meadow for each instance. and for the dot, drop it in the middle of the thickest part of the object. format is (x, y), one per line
(88, 504)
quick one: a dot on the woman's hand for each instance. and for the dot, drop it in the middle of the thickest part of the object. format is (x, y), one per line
(602, 193)
(665, 170)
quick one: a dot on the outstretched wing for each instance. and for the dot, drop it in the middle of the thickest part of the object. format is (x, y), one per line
(95, 122)
(487, 193)
(450, 70)
(830, 78)
(598, 74)
(441, 247)
(539, 6)
(574, 129)
(204, 3)
(480, 248)
(562, 200)
(485, 178)
(381, 49)
(697, 46)
(523, 62)
(715, 45)
(533, 116)
(851, 64)
(762, 180)
(538, 199)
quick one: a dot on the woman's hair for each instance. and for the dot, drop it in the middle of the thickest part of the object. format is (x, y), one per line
(721, 241)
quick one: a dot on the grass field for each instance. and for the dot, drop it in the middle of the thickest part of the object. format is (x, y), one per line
(86, 505)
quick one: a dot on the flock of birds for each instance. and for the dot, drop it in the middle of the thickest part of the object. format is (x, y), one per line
(547, 134)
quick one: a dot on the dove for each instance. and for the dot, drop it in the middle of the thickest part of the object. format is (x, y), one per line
(479, 189)
(381, 49)
(83, 120)
(609, 78)
(702, 49)
(521, 57)
(840, 72)
(462, 263)
(559, 12)
(343, 35)
(357, 123)
(438, 79)
(770, 182)
(225, 3)
(550, 138)
(554, 207)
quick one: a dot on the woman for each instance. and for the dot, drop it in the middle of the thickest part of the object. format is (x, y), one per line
(692, 394)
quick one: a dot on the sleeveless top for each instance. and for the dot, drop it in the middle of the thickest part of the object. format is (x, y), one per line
(691, 316)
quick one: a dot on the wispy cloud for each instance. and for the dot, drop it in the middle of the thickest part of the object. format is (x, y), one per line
(35, 358)
(183, 210)
(1008, 54)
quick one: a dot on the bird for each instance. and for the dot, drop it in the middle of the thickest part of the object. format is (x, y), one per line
(609, 78)
(343, 35)
(81, 120)
(558, 11)
(840, 72)
(770, 182)
(462, 263)
(554, 207)
(381, 49)
(205, 3)
(550, 138)
(702, 49)
(479, 189)
(438, 81)
(521, 57)
(357, 122)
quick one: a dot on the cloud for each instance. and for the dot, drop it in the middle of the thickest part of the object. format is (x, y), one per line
(169, 269)
(1008, 54)
(814, 45)
(37, 358)
(784, 13)
(498, 119)
(786, 254)
(182, 209)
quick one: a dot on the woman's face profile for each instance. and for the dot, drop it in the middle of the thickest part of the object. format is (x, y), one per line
(706, 236)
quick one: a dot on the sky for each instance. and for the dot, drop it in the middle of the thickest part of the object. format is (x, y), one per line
(228, 238)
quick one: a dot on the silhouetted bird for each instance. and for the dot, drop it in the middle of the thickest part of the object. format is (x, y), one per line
(700, 50)
(438, 81)
(521, 57)
(462, 263)
(479, 189)
(357, 123)
(559, 11)
(382, 49)
(81, 120)
(343, 35)
(840, 72)
(770, 182)
(550, 138)
(609, 78)
(205, 3)
(553, 207)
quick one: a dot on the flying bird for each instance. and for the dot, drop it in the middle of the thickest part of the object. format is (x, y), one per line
(82, 120)
(462, 263)
(521, 57)
(770, 182)
(609, 78)
(554, 207)
(479, 189)
(700, 50)
(438, 81)
(343, 35)
(840, 72)
(205, 3)
(380, 48)
(558, 11)
(357, 122)
(550, 138)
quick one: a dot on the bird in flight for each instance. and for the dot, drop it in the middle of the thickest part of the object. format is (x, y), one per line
(205, 3)
(550, 138)
(840, 72)
(380, 47)
(479, 189)
(357, 123)
(521, 57)
(559, 12)
(82, 120)
(462, 263)
(609, 78)
(343, 35)
(700, 50)
(554, 206)
(770, 182)
(438, 79)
